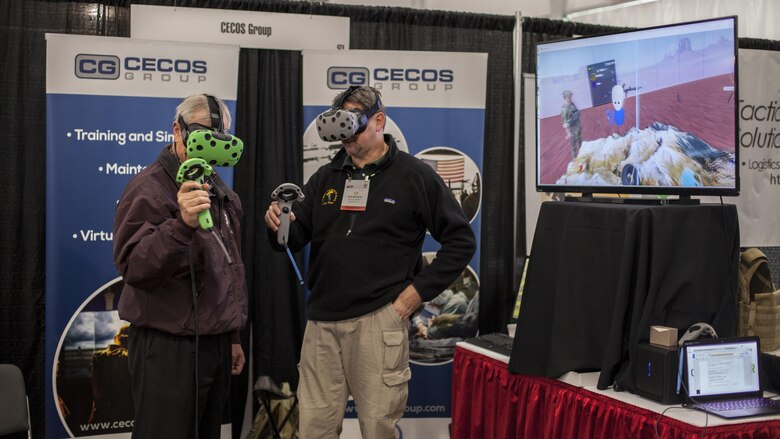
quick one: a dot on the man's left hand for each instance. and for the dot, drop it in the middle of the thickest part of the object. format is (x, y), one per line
(238, 359)
(407, 302)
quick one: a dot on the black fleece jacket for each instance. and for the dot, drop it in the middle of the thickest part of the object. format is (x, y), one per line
(361, 261)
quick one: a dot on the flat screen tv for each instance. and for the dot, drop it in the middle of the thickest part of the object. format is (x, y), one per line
(649, 111)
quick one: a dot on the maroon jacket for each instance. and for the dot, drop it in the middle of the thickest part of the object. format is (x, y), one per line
(152, 248)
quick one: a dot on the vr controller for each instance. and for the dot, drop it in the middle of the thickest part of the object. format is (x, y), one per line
(196, 169)
(696, 331)
(285, 195)
(214, 147)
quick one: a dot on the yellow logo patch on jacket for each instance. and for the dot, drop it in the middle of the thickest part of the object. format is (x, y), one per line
(330, 196)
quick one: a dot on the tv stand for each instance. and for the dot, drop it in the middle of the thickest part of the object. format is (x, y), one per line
(588, 197)
(683, 200)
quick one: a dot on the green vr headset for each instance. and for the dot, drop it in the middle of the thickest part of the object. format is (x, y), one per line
(211, 144)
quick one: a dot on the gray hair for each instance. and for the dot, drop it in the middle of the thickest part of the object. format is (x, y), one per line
(365, 96)
(195, 109)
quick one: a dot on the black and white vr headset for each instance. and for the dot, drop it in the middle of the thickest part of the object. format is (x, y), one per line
(338, 124)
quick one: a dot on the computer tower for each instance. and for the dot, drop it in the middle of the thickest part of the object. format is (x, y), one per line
(655, 373)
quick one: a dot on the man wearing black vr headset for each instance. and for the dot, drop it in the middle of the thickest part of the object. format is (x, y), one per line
(184, 294)
(366, 215)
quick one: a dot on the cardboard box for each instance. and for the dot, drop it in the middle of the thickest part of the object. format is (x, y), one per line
(663, 336)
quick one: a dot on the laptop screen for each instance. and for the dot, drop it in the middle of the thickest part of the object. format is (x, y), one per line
(722, 367)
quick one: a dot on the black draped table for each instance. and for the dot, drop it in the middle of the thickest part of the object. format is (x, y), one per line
(601, 274)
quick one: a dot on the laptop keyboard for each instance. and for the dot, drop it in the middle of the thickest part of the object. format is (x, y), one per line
(497, 342)
(739, 404)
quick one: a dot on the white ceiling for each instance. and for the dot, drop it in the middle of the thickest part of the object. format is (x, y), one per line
(530, 8)
(756, 17)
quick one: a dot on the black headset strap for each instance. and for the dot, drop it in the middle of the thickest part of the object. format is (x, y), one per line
(185, 132)
(373, 110)
(347, 93)
(352, 89)
(216, 115)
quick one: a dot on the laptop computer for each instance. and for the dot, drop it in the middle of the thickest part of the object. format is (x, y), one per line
(722, 377)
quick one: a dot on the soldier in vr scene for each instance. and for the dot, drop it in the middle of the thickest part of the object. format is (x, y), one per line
(570, 117)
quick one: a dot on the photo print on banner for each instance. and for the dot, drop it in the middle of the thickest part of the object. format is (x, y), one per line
(449, 318)
(92, 385)
(452, 316)
(459, 173)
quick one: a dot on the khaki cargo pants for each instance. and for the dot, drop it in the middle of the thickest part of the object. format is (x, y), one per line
(366, 357)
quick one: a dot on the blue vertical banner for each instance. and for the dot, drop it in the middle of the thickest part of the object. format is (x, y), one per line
(110, 104)
(436, 111)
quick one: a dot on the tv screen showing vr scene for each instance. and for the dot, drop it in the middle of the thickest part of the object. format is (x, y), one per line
(647, 111)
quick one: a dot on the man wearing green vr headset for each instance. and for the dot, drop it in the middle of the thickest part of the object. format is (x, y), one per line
(185, 292)
(365, 215)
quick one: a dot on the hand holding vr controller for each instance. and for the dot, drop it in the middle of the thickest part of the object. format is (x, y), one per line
(285, 195)
(196, 169)
(279, 215)
(273, 216)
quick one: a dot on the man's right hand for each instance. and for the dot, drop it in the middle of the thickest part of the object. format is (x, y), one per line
(193, 198)
(272, 217)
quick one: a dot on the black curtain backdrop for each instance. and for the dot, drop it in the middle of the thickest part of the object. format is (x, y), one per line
(270, 120)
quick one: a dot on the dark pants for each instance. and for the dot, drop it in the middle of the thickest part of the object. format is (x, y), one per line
(162, 369)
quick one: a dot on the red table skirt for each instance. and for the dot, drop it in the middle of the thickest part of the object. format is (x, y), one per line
(490, 403)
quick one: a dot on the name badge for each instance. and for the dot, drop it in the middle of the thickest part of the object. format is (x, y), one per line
(355, 195)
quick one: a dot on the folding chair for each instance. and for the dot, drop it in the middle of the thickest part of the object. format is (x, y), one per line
(266, 389)
(14, 408)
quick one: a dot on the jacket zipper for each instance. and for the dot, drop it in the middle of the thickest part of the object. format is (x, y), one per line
(352, 218)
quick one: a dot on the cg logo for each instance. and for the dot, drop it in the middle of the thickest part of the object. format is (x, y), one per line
(97, 66)
(342, 77)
